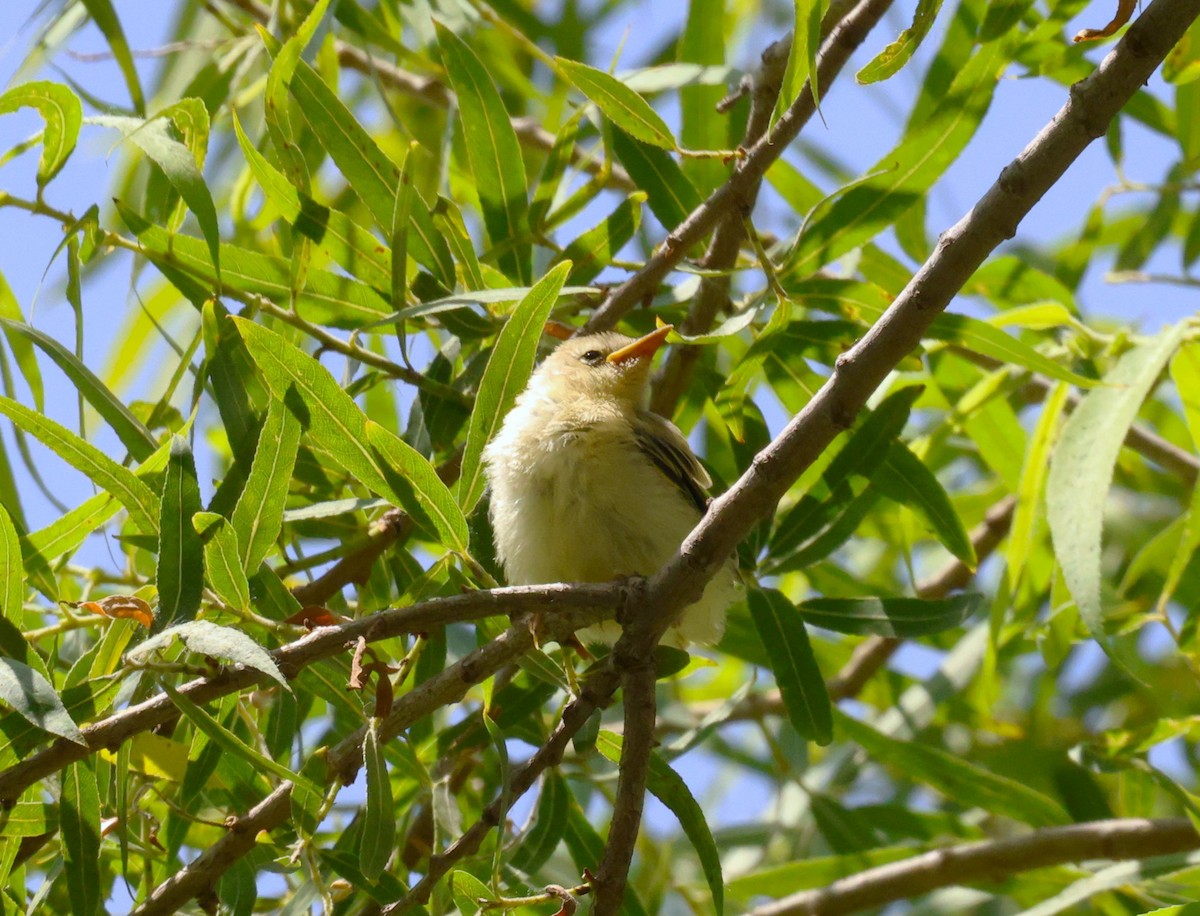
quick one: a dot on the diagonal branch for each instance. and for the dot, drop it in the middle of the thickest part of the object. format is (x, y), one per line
(1129, 838)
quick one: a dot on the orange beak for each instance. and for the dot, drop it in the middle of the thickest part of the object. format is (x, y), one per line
(643, 346)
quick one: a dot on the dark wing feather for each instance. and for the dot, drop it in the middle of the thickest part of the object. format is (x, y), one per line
(663, 444)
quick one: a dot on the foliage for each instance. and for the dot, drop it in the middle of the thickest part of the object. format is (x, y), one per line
(332, 213)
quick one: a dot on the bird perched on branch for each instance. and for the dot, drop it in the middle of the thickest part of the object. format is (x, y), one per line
(587, 486)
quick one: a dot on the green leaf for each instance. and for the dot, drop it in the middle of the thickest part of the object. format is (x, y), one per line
(508, 369)
(467, 891)
(385, 464)
(670, 789)
(968, 784)
(670, 195)
(105, 473)
(22, 349)
(620, 104)
(34, 698)
(889, 61)
(131, 431)
(1081, 473)
(258, 516)
(903, 477)
(818, 871)
(899, 617)
(180, 577)
(63, 114)
(106, 20)
(378, 836)
(802, 57)
(371, 174)
(79, 823)
(549, 825)
(1185, 373)
(12, 572)
(703, 42)
(494, 154)
(595, 249)
(203, 637)
(222, 560)
(800, 683)
(179, 165)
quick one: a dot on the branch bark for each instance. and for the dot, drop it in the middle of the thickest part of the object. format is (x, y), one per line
(1129, 838)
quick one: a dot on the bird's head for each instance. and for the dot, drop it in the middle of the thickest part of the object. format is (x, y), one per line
(606, 366)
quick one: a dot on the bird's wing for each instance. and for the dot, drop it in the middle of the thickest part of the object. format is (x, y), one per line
(663, 444)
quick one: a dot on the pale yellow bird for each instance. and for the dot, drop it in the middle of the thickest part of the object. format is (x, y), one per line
(588, 486)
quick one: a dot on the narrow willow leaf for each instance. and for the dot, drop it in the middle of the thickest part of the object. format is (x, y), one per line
(180, 577)
(670, 194)
(467, 892)
(549, 825)
(817, 871)
(258, 516)
(1185, 373)
(703, 42)
(553, 170)
(899, 617)
(906, 173)
(904, 478)
(179, 165)
(348, 244)
(12, 571)
(968, 784)
(378, 836)
(22, 348)
(508, 369)
(385, 464)
(889, 61)
(595, 249)
(494, 153)
(802, 57)
(63, 114)
(203, 637)
(1033, 482)
(105, 473)
(276, 98)
(1081, 472)
(670, 789)
(620, 104)
(79, 823)
(29, 819)
(800, 683)
(326, 298)
(131, 431)
(18, 737)
(222, 560)
(35, 699)
(106, 20)
(371, 174)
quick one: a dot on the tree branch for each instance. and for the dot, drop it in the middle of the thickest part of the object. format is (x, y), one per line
(202, 873)
(1128, 838)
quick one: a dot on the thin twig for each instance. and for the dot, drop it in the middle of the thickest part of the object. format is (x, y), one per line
(970, 863)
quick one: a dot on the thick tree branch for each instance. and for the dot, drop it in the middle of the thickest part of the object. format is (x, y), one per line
(971, 863)
(202, 873)
(565, 609)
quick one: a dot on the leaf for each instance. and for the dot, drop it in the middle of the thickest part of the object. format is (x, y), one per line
(180, 577)
(12, 572)
(1081, 472)
(131, 431)
(968, 784)
(595, 249)
(670, 195)
(904, 478)
(670, 789)
(203, 637)
(22, 349)
(508, 369)
(1032, 485)
(703, 42)
(800, 683)
(222, 560)
(179, 165)
(378, 836)
(620, 104)
(258, 516)
(899, 617)
(1185, 373)
(63, 114)
(34, 698)
(79, 823)
(385, 464)
(105, 473)
(106, 20)
(494, 153)
(549, 825)
(802, 56)
(889, 61)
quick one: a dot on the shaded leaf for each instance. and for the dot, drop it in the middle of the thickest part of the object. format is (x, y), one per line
(899, 617)
(180, 577)
(79, 823)
(35, 699)
(258, 516)
(203, 637)
(904, 478)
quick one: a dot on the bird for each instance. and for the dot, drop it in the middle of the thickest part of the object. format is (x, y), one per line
(588, 486)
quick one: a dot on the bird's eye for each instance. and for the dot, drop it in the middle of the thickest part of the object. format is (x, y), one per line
(592, 357)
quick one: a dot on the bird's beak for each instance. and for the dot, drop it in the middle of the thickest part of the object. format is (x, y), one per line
(643, 346)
